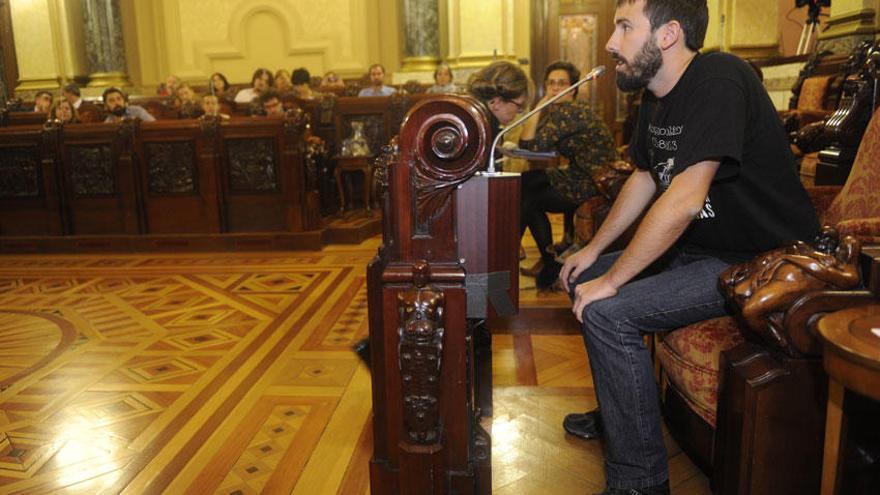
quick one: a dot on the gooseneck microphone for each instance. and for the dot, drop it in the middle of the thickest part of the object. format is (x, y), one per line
(596, 72)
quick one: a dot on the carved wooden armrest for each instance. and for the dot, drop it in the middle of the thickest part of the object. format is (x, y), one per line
(766, 288)
(810, 138)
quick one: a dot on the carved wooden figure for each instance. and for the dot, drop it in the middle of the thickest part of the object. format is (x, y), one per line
(448, 259)
(765, 287)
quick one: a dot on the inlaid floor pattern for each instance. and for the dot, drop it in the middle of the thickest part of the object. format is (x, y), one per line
(230, 373)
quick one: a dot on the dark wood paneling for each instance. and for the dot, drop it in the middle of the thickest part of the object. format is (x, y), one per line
(100, 180)
(262, 175)
(29, 196)
(179, 177)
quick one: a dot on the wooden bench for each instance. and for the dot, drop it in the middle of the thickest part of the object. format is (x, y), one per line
(136, 185)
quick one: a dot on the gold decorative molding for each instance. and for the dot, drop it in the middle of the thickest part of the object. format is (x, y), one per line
(853, 23)
(755, 51)
(31, 83)
(107, 79)
(467, 61)
(419, 64)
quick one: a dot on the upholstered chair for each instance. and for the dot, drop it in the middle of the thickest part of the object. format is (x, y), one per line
(691, 360)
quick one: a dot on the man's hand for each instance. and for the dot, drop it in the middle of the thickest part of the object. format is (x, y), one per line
(574, 265)
(589, 292)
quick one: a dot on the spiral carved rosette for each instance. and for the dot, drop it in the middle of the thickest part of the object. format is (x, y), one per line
(451, 144)
(420, 350)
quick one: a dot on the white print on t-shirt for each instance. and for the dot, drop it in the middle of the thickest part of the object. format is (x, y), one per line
(664, 175)
(707, 211)
(660, 136)
(664, 172)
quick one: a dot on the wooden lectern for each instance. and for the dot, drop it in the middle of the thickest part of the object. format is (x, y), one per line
(448, 260)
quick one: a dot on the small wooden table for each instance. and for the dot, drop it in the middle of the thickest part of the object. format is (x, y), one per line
(852, 359)
(354, 164)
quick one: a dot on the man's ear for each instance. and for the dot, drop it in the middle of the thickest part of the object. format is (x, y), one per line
(669, 34)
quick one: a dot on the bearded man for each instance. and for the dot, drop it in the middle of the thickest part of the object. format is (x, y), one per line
(709, 146)
(116, 104)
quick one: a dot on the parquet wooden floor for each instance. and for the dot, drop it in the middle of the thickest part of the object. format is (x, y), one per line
(231, 373)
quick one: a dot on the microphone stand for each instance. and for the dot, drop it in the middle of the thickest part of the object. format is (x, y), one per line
(596, 72)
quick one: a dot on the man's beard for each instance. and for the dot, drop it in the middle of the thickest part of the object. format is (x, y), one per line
(118, 111)
(643, 68)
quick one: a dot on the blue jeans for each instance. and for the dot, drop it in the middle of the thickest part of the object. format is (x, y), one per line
(679, 289)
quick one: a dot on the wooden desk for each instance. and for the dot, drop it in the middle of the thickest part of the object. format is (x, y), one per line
(354, 164)
(852, 359)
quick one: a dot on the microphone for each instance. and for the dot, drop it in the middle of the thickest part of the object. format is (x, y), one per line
(596, 72)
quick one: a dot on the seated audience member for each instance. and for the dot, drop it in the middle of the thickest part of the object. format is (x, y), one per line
(116, 103)
(72, 94)
(261, 81)
(42, 101)
(85, 111)
(377, 83)
(169, 87)
(185, 94)
(302, 84)
(271, 104)
(443, 81)
(282, 81)
(569, 127)
(64, 112)
(717, 184)
(331, 81)
(503, 88)
(211, 106)
(188, 102)
(218, 85)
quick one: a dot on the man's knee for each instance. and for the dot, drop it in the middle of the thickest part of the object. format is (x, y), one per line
(601, 317)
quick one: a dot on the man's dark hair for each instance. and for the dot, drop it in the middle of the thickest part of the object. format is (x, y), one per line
(72, 88)
(574, 75)
(300, 76)
(374, 66)
(692, 15)
(110, 90)
(268, 95)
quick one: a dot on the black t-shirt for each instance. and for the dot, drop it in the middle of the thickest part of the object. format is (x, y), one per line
(719, 110)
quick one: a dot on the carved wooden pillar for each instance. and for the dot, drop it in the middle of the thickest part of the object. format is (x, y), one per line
(449, 254)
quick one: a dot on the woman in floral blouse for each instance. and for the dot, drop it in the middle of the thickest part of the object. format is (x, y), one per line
(572, 129)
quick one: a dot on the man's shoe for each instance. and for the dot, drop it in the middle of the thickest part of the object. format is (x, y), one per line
(661, 489)
(548, 276)
(362, 349)
(587, 425)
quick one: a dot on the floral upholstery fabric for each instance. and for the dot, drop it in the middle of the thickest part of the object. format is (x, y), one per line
(690, 358)
(822, 197)
(813, 91)
(860, 196)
